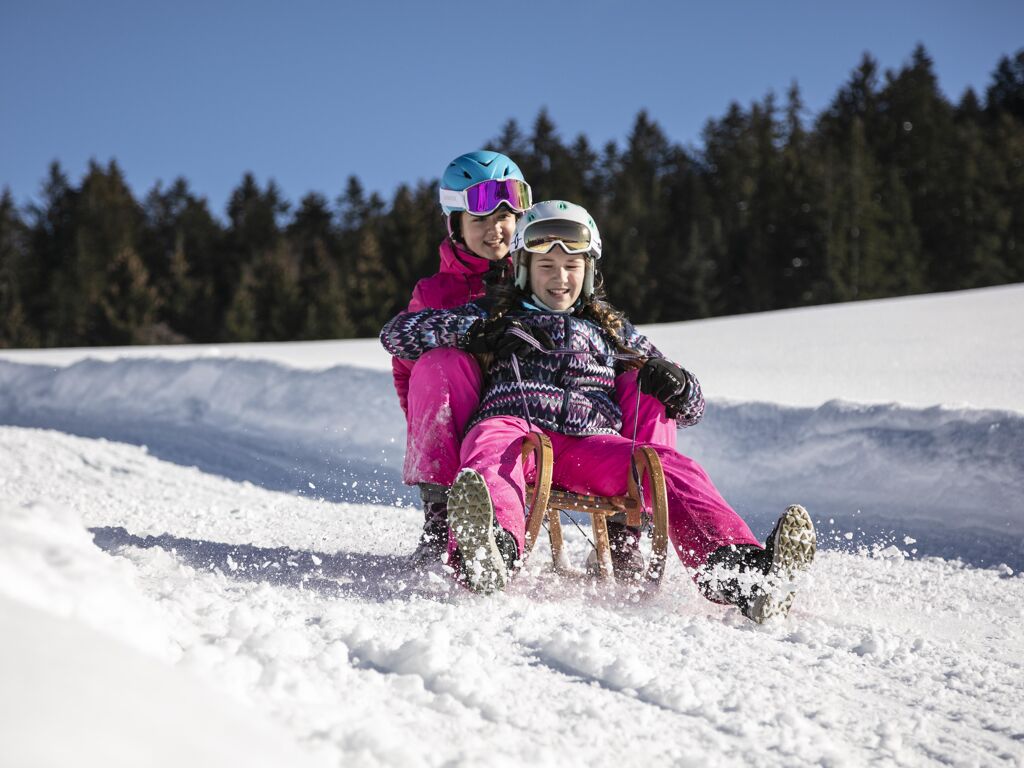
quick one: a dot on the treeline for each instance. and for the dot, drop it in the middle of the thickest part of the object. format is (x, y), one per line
(892, 190)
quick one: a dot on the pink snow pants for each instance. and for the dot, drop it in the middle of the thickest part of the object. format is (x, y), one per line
(444, 392)
(699, 519)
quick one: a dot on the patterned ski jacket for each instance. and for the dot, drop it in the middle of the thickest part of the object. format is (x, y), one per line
(459, 280)
(569, 393)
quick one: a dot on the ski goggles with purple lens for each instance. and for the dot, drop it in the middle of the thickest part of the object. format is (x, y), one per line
(542, 236)
(484, 197)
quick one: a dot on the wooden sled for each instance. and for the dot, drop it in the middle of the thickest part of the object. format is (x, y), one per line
(545, 501)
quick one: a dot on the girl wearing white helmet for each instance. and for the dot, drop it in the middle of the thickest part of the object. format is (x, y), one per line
(557, 347)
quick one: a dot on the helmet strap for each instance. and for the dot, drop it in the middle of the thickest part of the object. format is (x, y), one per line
(521, 263)
(454, 225)
(588, 277)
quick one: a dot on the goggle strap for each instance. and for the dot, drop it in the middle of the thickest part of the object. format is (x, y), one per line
(452, 198)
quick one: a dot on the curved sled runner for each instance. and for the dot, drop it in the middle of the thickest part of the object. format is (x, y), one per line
(545, 501)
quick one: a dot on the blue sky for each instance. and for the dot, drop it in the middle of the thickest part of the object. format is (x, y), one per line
(308, 93)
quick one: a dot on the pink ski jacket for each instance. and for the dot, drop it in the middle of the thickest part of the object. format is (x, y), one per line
(459, 281)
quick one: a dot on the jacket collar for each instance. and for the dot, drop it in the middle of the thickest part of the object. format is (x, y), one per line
(455, 258)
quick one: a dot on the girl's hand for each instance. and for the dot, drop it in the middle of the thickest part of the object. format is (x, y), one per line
(664, 380)
(497, 337)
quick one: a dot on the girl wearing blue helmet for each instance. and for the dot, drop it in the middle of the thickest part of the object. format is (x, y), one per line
(482, 194)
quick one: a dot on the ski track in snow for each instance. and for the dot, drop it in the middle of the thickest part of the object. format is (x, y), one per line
(302, 609)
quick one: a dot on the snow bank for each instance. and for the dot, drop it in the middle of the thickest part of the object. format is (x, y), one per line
(947, 477)
(284, 428)
(959, 349)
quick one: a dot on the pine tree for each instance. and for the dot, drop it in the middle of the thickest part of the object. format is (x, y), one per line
(370, 286)
(729, 166)
(52, 245)
(181, 246)
(410, 232)
(128, 303)
(800, 218)
(313, 237)
(1006, 93)
(280, 311)
(254, 272)
(15, 330)
(511, 141)
(589, 189)
(1008, 143)
(1004, 108)
(683, 261)
(915, 136)
(634, 226)
(979, 217)
(241, 322)
(105, 222)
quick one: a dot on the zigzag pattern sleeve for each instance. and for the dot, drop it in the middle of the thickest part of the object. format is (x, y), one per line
(687, 410)
(409, 334)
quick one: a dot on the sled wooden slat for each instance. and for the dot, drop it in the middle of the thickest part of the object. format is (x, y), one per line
(547, 502)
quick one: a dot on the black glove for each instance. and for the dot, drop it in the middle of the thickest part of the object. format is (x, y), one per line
(664, 380)
(494, 336)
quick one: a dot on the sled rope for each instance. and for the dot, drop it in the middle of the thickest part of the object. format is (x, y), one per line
(530, 339)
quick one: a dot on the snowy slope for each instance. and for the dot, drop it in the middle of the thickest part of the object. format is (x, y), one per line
(228, 534)
(956, 349)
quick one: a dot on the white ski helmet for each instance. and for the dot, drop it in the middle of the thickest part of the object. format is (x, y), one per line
(556, 222)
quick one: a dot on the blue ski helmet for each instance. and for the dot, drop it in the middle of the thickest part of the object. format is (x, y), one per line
(472, 168)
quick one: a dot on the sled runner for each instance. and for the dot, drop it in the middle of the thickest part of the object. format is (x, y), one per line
(547, 502)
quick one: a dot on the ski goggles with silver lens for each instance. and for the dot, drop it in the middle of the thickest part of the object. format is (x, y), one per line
(484, 197)
(542, 236)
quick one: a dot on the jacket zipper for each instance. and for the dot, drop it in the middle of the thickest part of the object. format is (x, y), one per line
(566, 360)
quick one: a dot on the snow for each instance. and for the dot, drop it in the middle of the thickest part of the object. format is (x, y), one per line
(201, 559)
(918, 351)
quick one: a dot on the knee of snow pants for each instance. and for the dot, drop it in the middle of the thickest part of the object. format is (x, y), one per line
(444, 391)
(700, 520)
(493, 448)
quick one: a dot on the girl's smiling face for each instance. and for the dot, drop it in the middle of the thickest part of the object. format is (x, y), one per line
(489, 236)
(556, 277)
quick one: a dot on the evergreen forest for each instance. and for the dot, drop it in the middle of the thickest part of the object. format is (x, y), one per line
(891, 190)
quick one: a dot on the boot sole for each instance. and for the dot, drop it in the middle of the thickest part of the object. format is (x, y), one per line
(794, 548)
(471, 517)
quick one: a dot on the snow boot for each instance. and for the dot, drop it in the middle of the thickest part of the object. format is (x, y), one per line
(760, 581)
(487, 551)
(433, 541)
(627, 559)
